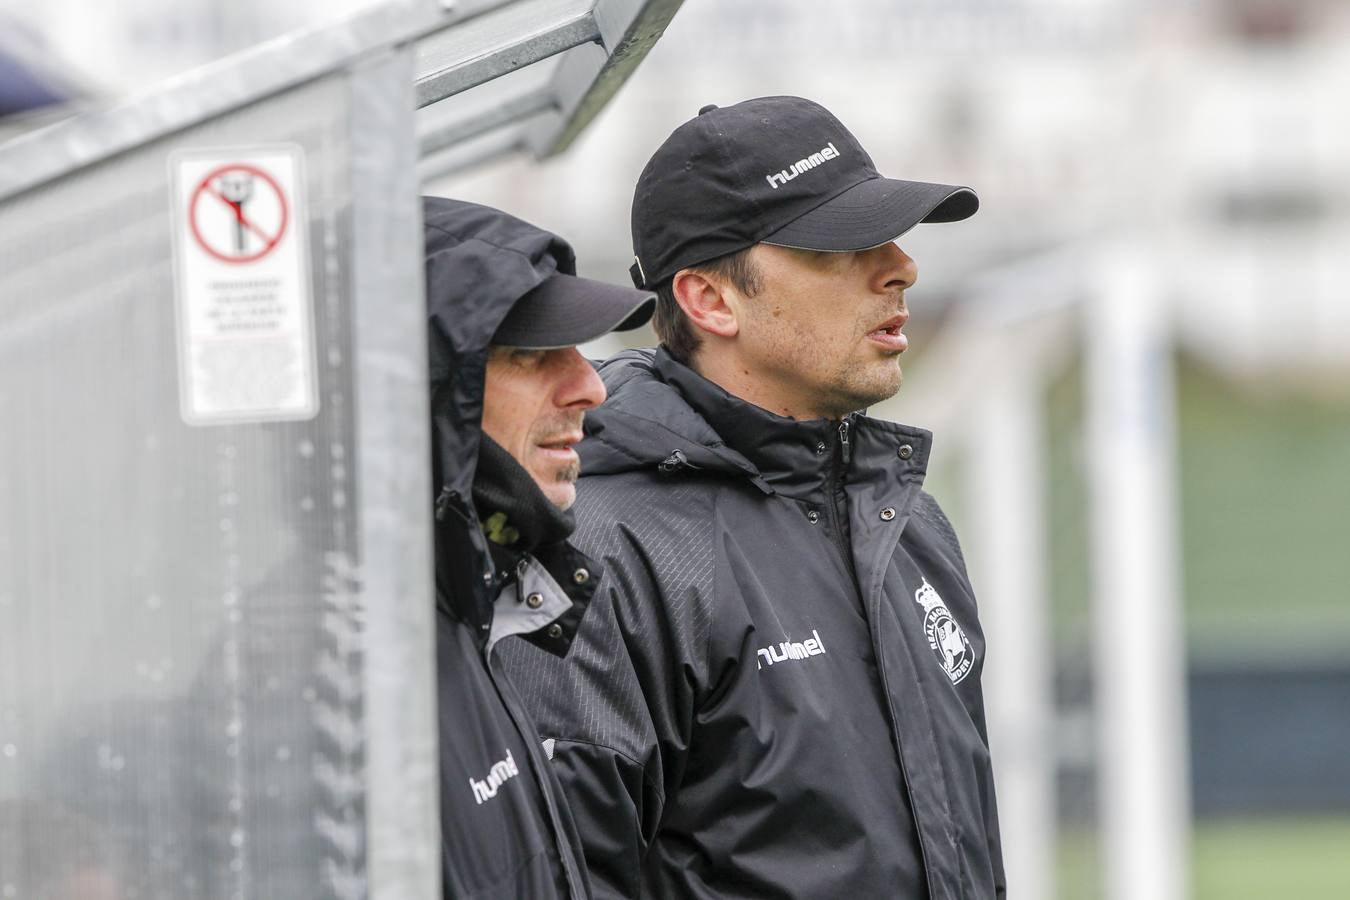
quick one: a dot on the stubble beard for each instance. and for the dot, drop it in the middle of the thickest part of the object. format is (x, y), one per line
(861, 381)
(560, 475)
(569, 473)
(864, 383)
(566, 473)
(859, 387)
(855, 383)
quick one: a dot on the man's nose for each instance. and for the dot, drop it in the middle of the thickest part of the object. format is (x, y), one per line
(581, 387)
(895, 269)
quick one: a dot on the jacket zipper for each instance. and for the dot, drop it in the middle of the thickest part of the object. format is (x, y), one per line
(839, 466)
(872, 613)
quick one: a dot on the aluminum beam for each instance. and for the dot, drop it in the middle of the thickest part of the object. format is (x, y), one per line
(486, 148)
(40, 156)
(455, 60)
(599, 48)
(459, 46)
(474, 125)
(628, 31)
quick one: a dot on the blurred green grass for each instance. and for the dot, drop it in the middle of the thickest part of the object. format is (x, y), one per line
(1237, 859)
(1264, 487)
(1263, 470)
(1265, 494)
(1263, 474)
(1268, 859)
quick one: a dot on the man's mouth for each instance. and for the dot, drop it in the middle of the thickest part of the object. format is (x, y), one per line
(561, 445)
(889, 336)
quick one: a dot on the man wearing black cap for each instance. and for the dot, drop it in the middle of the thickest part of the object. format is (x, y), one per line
(777, 690)
(508, 394)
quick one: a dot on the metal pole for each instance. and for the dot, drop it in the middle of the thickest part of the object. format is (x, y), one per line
(403, 825)
(1140, 677)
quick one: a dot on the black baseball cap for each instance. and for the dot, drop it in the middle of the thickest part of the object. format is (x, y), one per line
(774, 170)
(566, 310)
(517, 280)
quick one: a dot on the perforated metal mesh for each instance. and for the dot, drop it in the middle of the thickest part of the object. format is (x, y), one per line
(180, 619)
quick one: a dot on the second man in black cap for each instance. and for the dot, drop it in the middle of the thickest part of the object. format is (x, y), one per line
(776, 692)
(508, 394)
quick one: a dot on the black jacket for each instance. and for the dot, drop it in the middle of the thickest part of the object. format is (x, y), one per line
(776, 692)
(505, 830)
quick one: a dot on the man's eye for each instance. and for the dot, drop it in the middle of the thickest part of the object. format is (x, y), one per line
(528, 358)
(827, 260)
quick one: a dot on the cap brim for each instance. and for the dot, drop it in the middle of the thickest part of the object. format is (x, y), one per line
(874, 212)
(566, 310)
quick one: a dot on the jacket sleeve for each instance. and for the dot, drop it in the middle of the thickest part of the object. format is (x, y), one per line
(618, 709)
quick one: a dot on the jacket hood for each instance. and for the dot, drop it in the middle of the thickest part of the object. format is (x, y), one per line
(479, 262)
(646, 422)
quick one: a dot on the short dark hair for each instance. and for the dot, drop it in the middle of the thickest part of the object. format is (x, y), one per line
(677, 334)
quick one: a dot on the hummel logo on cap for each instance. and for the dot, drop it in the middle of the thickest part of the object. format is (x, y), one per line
(777, 170)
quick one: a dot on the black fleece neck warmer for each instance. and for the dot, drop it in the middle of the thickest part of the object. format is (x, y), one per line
(516, 515)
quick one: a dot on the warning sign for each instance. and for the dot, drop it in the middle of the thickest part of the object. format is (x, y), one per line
(244, 201)
(245, 308)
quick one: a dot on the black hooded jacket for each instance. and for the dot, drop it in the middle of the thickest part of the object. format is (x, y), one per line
(776, 692)
(505, 830)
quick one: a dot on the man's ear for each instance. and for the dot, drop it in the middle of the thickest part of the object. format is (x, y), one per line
(706, 302)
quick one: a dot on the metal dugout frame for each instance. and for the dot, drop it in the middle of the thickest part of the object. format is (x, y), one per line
(418, 90)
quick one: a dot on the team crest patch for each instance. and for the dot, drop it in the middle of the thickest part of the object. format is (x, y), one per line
(948, 642)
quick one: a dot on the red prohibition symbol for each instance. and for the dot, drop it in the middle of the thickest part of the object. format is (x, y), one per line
(233, 186)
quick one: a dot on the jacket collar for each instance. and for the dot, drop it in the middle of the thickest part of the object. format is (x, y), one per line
(646, 424)
(663, 415)
(543, 595)
(793, 457)
(472, 573)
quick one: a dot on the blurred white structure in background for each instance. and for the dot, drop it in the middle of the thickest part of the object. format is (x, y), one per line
(1081, 124)
(1143, 782)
